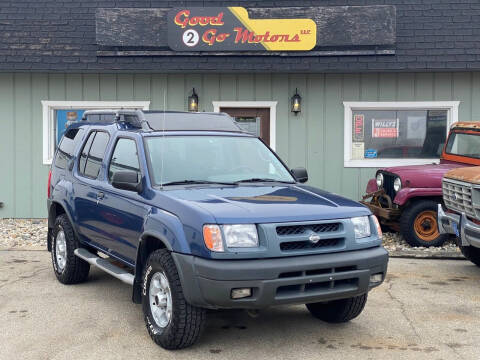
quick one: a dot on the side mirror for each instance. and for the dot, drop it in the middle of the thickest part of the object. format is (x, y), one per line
(300, 174)
(127, 180)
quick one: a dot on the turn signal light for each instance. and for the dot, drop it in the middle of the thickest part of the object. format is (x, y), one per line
(212, 236)
(49, 183)
(377, 225)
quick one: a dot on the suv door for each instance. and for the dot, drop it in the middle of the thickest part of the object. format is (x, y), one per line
(87, 190)
(122, 211)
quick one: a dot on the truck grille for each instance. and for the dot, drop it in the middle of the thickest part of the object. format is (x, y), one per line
(388, 185)
(458, 197)
(307, 245)
(302, 229)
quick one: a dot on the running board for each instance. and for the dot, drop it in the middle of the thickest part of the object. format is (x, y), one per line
(105, 265)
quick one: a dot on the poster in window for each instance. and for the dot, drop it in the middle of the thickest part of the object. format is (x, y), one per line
(382, 128)
(416, 127)
(358, 127)
(64, 117)
(358, 150)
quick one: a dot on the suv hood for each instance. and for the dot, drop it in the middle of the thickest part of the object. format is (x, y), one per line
(264, 204)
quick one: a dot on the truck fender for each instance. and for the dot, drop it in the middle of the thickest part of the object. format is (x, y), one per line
(406, 194)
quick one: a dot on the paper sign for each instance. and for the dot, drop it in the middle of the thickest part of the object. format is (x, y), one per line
(358, 127)
(357, 150)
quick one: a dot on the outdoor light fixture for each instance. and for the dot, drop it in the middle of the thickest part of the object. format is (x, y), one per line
(296, 103)
(193, 101)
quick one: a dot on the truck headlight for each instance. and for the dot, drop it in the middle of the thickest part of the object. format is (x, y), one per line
(379, 179)
(244, 235)
(397, 184)
(236, 236)
(361, 226)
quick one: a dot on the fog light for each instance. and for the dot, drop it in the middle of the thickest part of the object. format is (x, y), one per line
(376, 278)
(241, 293)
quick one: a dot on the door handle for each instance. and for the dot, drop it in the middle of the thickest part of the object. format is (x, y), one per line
(100, 196)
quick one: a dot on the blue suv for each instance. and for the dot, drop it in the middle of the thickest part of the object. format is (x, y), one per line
(196, 214)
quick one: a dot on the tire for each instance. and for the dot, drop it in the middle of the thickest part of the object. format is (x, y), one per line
(338, 311)
(471, 253)
(185, 323)
(68, 268)
(419, 226)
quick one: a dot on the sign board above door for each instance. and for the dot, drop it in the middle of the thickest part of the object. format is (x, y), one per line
(341, 30)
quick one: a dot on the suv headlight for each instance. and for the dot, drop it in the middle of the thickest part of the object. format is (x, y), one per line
(361, 226)
(379, 179)
(236, 236)
(397, 184)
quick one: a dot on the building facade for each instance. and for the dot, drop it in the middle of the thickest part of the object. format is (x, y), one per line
(380, 86)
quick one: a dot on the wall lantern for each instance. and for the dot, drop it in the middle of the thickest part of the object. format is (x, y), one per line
(193, 101)
(296, 103)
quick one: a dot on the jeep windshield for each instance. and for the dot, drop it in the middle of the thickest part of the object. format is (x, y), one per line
(227, 160)
(464, 144)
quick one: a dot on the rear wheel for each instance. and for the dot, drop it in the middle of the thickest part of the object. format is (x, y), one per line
(419, 226)
(338, 311)
(68, 268)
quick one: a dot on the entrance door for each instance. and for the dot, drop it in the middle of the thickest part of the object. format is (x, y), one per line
(252, 120)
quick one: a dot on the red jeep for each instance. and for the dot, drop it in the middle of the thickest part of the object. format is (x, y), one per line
(406, 198)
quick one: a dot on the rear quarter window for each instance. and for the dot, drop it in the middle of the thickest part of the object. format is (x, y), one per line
(66, 147)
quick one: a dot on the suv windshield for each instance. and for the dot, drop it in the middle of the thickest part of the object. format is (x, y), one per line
(464, 145)
(217, 159)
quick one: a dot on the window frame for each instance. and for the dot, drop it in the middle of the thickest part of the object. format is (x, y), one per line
(351, 106)
(114, 145)
(48, 117)
(82, 174)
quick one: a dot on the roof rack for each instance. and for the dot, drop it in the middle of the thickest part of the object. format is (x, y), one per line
(159, 120)
(133, 117)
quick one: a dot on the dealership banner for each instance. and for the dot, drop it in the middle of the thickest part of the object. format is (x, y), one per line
(384, 128)
(231, 29)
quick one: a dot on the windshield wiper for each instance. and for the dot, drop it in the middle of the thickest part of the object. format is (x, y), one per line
(189, 182)
(251, 180)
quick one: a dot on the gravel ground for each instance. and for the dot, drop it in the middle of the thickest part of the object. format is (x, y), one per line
(32, 233)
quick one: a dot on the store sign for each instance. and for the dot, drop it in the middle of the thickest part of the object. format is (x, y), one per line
(358, 127)
(384, 128)
(231, 29)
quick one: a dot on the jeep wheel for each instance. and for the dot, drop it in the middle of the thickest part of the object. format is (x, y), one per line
(171, 322)
(418, 224)
(471, 253)
(68, 268)
(338, 311)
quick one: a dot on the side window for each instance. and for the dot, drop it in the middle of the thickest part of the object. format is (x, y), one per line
(90, 164)
(84, 154)
(125, 158)
(67, 147)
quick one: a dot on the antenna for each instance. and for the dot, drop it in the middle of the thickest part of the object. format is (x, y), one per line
(163, 137)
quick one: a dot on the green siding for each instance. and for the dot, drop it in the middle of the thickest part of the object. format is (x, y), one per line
(313, 138)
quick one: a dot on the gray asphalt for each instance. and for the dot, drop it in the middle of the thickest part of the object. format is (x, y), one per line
(427, 309)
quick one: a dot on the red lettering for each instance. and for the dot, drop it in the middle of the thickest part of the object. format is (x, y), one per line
(209, 36)
(181, 19)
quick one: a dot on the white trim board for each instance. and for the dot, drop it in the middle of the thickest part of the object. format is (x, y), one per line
(350, 106)
(272, 105)
(48, 114)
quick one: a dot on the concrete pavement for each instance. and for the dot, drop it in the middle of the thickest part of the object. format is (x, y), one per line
(427, 309)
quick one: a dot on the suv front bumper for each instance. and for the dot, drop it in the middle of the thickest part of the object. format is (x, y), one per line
(467, 231)
(292, 280)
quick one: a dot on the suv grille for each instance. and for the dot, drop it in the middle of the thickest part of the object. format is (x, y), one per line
(308, 245)
(302, 229)
(458, 197)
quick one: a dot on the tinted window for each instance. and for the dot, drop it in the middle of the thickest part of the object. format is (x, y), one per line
(96, 151)
(125, 158)
(67, 147)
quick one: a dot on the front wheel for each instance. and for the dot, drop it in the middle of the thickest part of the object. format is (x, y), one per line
(171, 322)
(338, 311)
(419, 224)
(471, 253)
